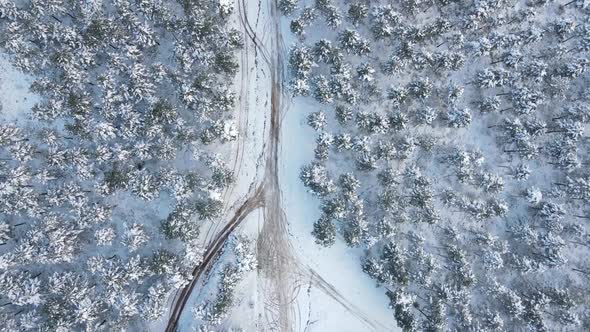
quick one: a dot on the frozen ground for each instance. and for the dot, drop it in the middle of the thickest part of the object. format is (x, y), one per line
(328, 288)
(299, 286)
(319, 309)
(245, 156)
(15, 98)
(329, 291)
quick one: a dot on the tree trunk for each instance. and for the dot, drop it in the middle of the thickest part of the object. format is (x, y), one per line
(569, 3)
(570, 37)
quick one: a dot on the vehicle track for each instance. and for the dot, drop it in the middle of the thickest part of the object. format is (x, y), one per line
(275, 254)
(216, 246)
(255, 199)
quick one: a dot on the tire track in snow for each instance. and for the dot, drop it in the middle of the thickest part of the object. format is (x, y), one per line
(274, 249)
(213, 249)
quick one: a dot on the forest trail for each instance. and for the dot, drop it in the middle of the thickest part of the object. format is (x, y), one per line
(281, 271)
(274, 251)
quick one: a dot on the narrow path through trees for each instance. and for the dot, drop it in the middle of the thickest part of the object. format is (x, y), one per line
(276, 258)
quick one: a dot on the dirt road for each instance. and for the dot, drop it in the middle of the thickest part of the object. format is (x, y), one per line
(265, 194)
(281, 273)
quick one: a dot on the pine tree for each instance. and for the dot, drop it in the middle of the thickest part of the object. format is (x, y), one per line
(324, 231)
(402, 304)
(135, 236)
(352, 42)
(316, 178)
(394, 263)
(317, 120)
(288, 6)
(21, 288)
(525, 101)
(458, 117)
(333, 17)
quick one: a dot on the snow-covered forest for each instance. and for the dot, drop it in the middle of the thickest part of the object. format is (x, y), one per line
(146, 182)
(453, 145)
(106, 180)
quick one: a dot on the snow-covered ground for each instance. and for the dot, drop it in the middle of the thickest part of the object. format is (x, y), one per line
(245, 312)
(16, 100)
(354, 303)
(359, 306)
(332, 292)
(245, 156)
(301, 285)
(338, 265)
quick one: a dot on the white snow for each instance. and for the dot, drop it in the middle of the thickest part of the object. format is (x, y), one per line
(338, 265)
(243, 155)
(16, 100)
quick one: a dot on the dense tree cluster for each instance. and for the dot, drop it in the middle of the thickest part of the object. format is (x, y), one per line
(238, 258)
(452, 145)
(102, 195)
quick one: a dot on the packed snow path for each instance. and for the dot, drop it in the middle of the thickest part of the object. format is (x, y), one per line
(263, 108)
